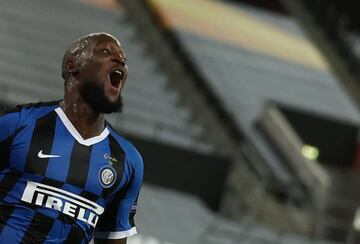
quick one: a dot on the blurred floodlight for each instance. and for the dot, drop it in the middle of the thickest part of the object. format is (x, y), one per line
(310, 152)
(357, 220)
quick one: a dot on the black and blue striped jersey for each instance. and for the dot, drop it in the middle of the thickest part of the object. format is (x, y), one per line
(56, 187)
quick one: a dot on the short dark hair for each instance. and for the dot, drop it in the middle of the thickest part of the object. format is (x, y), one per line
(73, 53)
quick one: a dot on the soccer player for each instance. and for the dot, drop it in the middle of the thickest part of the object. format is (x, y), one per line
(66, 176)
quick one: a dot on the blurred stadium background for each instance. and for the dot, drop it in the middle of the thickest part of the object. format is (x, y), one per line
(246, 112)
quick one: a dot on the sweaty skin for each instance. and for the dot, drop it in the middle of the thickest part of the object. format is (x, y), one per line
(91, 59)
(93, 64)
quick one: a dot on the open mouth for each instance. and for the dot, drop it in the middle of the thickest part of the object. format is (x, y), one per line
(116, 78)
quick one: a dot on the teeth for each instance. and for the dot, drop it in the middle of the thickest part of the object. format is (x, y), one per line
(118, 72)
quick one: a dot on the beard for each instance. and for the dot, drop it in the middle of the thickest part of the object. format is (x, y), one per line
(94, 95)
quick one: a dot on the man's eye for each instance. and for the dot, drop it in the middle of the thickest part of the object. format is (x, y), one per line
(106, 51)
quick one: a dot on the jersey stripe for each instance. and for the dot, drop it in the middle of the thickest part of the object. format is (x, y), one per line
(8, 182)
(62, 146)
(107, 221)
(5, 148)
(75, 235)
(14, 229)
(20, 147)
(90, 196)
(52, 182)
(38, 229)
(79, 165)
(6, 212)
(97, 161)
(60, 230)
(41, 141)
(117, 154)
(66, 219)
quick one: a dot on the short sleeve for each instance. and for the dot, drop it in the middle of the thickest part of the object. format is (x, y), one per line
(118, 219)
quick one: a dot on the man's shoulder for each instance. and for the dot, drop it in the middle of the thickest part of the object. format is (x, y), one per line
(29, 106)
(24, 114)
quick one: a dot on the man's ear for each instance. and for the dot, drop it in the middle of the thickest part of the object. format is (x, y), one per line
(72, 68)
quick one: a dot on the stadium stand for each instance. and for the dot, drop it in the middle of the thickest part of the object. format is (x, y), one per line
(334, 28)
(246, 70)
(245, 80)
(198, 225)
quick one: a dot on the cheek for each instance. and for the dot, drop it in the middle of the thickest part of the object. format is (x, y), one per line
(94, 72)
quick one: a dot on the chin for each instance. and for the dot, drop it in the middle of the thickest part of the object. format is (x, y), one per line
(108, 107)
(94, 96)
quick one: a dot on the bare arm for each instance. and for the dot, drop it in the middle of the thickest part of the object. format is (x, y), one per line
(109, 241)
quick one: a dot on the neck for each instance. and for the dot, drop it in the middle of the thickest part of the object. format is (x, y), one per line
(87, 122)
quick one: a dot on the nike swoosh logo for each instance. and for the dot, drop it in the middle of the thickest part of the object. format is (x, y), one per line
(41, 155)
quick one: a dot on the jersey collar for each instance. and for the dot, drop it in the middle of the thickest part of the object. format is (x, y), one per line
(70, 127)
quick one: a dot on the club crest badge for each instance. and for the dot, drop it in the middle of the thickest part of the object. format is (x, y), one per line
(107, 176)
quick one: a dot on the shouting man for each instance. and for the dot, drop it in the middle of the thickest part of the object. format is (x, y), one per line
(66, 176)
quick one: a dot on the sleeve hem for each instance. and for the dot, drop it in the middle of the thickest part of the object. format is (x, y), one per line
(116, 234)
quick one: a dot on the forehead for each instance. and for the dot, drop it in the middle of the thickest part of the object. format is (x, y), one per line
(106, 39)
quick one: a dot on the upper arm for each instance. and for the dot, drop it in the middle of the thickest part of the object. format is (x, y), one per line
(118, 220)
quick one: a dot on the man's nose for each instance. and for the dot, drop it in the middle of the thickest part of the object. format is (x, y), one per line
(119, 58)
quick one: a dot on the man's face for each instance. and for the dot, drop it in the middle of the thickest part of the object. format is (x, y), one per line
(103, 73)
